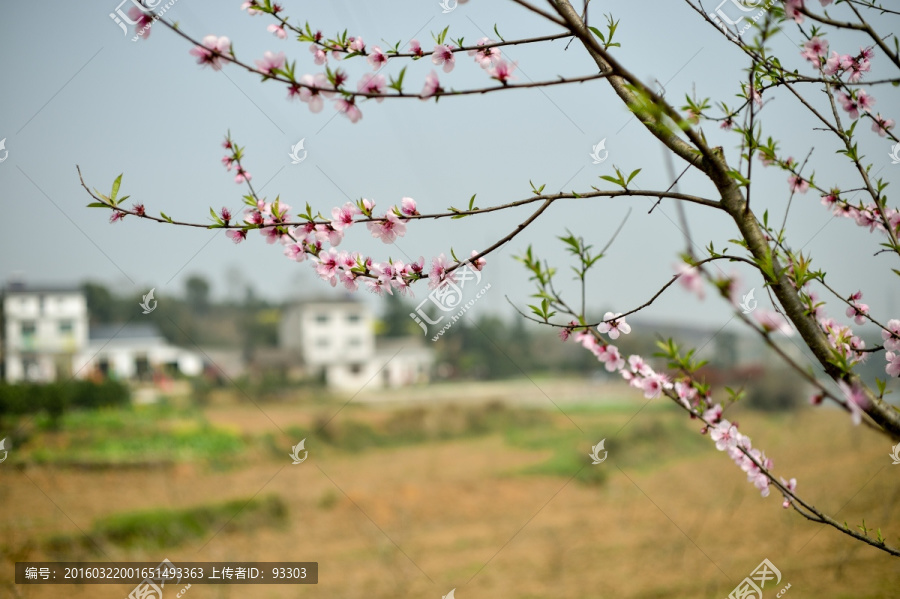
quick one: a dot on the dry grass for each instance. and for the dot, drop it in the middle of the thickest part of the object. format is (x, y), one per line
(420, 519)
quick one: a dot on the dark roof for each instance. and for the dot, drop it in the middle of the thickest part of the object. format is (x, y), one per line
(19, 287)
(324, 299)
(124, 332)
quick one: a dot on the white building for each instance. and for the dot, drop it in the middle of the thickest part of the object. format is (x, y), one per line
(336, 338)
(43, 328)
(134, 352)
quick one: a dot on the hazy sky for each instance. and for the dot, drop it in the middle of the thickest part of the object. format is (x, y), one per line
(77, 91)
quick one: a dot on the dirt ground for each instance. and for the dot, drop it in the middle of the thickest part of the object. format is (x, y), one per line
(420, 520)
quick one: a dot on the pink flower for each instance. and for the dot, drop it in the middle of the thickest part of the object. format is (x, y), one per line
(864, 101)
(225, 215)
(857, 310)
(486, 57)
(856, 401)
(408, 207)
(653, 385)
(439, 266)
(477, 264)
(370, 83)
(893, 363)
(773, 322)
(326, 265)
(277, 31)
(270, 63)
(432, 86)
(415, 48)
(236, 235)
(881, 126)
(387, 229)
(347, 107)
(342, 217)
(248, 6)
(142, 20)
(611, 358)
(502, 71)
(319, 56)
(814, 50)
(891, 336)
(689, 277)
(357, 44)
(798, 184)
(212, 51)
(725, 435)
(377, 58)
(295, 251)
(790, 485)
(442, 55)
(613, 326)
(686, 393)
(713, 414)
(792, 10)
(832, 65)
(638, 366)
(116, 216)
(313, 97)
(242, 176)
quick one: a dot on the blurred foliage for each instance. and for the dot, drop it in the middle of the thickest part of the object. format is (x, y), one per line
(169, 528)
(138, 436)
(55, 399)
(780, 390)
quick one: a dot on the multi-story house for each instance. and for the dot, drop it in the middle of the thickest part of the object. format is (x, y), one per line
(43, 328)
(335, 338)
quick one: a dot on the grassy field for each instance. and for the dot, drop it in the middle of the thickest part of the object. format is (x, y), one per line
(494, 496)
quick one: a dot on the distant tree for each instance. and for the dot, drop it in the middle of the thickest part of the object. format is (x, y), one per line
(103, 307)
(395, 320)
(197, 293)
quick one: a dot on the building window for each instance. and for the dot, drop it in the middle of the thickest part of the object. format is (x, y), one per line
(322, 342)
(322, 318)
(66, 327)
(354, 342)
(355, 368)
(354, 317)
(29, 328)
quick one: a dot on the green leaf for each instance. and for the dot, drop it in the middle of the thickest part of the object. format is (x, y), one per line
(97, 205)
(115, 188)
(598, 33)
(165, 216)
